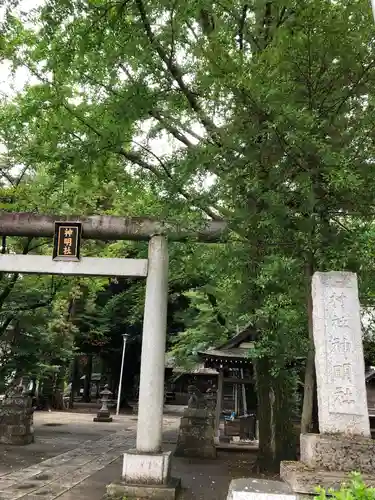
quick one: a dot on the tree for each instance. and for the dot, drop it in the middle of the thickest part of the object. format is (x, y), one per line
(201, 329)
(267, 109)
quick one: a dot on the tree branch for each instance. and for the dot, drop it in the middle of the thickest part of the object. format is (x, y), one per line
(213, 301)
(342, 102)
(21, 176)
(170, 128)
(154, 113)
(105, 10)
(173, 41)
(282, 17)
(9, 287)
(31, 307)
(6, 323)
(14, 181)
(191, 29)
(176, 73)
(8, 177)
(135, 158)
(241, 26)
(341, 224)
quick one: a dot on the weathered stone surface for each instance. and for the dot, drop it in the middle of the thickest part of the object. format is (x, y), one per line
(104, 414)
(54, 477)
(304, 479)
(341, 453)
(16, 421)
(122, 490)
(339, 361)
(16, 400)
(196, 435)
(198, 413)
(16, 440)
(201, 401)
(12, 417)
(141, 468)
(260, 489)
(344, 443)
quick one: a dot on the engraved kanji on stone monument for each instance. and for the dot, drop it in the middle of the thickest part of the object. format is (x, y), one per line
(339, 360)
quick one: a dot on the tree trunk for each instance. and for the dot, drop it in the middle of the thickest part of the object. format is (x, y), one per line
(285, 403)
(266, 455)
(308, 392)
(277, 440)
(58, 399)
(315, 419)
(46, 398)
(75, 381)
(309, 386)
(87, 386)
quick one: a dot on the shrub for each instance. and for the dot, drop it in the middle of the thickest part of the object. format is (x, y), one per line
(355, 489)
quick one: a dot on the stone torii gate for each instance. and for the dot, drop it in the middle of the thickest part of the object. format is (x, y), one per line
(146, 466)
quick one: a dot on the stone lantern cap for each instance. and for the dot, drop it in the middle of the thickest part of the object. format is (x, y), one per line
(106, 391)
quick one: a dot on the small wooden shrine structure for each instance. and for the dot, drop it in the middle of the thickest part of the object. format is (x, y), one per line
(234, 365)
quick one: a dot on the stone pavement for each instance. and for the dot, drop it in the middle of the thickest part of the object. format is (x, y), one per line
(53, 477)
(74, 458)
(68, 449)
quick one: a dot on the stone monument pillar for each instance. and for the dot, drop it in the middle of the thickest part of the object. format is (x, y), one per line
(146, 470)
(344, 443)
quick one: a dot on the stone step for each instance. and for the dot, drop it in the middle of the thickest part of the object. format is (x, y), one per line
(261, 489)
(304, 479)
(53, 477)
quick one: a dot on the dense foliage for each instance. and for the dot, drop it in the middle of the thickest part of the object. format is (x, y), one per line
(260, 113)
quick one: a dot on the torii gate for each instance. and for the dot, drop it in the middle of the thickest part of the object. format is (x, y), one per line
(146, 466)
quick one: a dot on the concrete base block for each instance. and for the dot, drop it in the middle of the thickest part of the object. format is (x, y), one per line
(260, 489)
(155, 491)
(340, 453)
(303, 479)
(149, 469)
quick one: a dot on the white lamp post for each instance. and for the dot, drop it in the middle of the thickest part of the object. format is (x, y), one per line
(124, 338)
(373, 7)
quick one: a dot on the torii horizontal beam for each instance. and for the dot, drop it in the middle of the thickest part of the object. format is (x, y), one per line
(109, 227)
(87, 266)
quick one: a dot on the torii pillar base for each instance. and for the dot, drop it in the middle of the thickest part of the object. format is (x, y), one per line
(146, 475)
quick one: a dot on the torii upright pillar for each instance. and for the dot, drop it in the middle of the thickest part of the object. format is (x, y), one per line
(151, 388)
(146, 470)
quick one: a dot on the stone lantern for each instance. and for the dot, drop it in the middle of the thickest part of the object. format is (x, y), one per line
(104, 414)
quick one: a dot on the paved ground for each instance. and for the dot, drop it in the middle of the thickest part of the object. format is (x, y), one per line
(75, 458)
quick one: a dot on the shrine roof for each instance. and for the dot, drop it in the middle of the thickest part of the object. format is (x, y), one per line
(197, 369)
(225, 353)
(215, 358)
(248, 334)
(236, 348)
